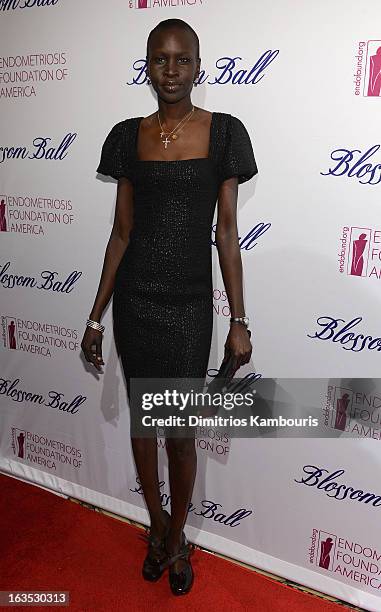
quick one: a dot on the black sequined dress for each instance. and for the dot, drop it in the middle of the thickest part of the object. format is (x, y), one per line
(162, 303)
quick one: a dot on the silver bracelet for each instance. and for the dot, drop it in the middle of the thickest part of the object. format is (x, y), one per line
(95, 325)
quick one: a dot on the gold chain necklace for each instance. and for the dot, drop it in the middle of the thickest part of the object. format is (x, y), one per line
(172, 134)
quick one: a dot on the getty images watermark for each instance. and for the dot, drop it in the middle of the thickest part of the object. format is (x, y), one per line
(242, 408)
(183, 402)
(256, 407)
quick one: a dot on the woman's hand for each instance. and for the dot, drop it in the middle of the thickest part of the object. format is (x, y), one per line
(238, 344)
(92, 347)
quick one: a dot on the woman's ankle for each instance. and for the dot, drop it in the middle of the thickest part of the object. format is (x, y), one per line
(174, 542)
(158, 525)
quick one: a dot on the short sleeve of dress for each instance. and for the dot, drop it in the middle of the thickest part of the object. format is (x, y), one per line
(114, 154)
(238, 157)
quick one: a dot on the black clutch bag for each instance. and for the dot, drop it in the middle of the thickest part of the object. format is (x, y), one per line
(221, 381)
(226, 371)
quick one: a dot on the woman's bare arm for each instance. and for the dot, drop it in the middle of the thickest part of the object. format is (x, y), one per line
(117, 244)
(229, 254)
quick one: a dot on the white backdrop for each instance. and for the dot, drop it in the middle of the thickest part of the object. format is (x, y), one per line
(299, 75)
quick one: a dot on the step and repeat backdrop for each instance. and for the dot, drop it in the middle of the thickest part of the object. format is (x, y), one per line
(305, 79)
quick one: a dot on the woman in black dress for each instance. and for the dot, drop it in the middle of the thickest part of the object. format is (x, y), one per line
(172, 167)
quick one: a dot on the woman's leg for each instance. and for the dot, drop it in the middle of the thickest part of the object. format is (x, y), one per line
(182, 466)
(145, 455)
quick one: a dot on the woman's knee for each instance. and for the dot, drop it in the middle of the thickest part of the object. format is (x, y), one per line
(144, 445)
(181, 449)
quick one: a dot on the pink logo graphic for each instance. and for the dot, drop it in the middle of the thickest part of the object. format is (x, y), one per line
(3, 216)
(357, 255)
(18, 442)
(143, 4)
(326, 550)
(11, 335)
(372, 86)
(339, 410)
(359, 251)
(10, 332)
(342, 406)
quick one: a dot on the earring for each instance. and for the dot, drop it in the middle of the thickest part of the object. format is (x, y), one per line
(195, 83)
(148, 81)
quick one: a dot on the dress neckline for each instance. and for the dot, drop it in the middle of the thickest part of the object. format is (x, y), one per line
(173, 161)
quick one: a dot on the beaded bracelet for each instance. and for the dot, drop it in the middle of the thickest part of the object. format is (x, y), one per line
(95, 325)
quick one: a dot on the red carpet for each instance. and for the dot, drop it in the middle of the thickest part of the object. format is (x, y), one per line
(49, 543)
